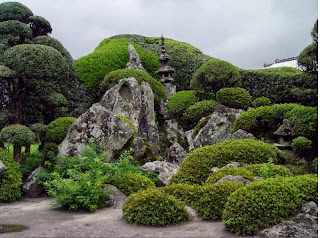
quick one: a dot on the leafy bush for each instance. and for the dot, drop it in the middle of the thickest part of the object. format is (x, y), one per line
(17, 135)
(16, 32)
(14, 11)
(12, 179)
(267, 202)
(131, 183)
(198, 110)
(50, 148)
(315, 166)
(114, 77)
(40, 26)
(214, 75)
(197, 165)
(30, 163)
(58, 129)
(153, 207)
(247, 172)
(234, 97)
(261, 101)
(180, 101)
(301, 145)
(308, 58)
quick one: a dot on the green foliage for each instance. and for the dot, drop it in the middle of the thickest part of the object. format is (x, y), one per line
(247, 172)
(214, 75)
(267, 202)
(130, 123)
(301, 145)
(50, 149)
(315, 166)
(39, 128)
(17, 135)
(6, 73)
(58, 129)
(14, 32)
(57, 100)
(261, 101)
(153, 207)
(198, 110)
(131, 183)
(267, 170)
(314, 32)
(14, 11)
(12, 179)
(180, 101)
(234, 97)
(30, 163)
(308, 58)
(114, 77)
(40, 26)
(199, 126)
(197, 165)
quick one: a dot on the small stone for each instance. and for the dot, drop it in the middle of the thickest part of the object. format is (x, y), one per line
(164, 169)
(242, 134)
(30, 186)
(235, 165)
(193, 214)
(238, 179)
(2, 169)
(116, 198)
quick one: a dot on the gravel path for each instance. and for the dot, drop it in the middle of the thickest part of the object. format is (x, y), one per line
(44, 221)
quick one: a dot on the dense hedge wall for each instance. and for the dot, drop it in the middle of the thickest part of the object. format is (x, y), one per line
(196, 167)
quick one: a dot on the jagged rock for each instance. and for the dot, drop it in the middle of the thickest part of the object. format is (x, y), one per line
(235, 165)
(304, 225)
(189, 138)
(238, 179)
(134, 59)
(285, 129)
(193, 214)
(164, 169)
(116, 198)
(136, 102)
(218, 128)
(174, 131)
(30, 186)
(2, 168)
(170, 89)
(242, 134)
(176, 154)
(101, 126)
(214, 169)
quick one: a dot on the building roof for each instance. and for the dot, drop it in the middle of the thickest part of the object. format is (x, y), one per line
(289, 62)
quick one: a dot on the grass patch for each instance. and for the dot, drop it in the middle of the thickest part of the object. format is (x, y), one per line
(12, 228)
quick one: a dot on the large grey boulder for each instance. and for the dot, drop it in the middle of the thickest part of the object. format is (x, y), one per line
(116, 197)
(176, 154)
(304, 225)
(101, 126)
(30, 186)
(164, 169)
(242, 134)
(134, 60)
(2, 169)
(174, 131)
(218, 128)
(136, 102)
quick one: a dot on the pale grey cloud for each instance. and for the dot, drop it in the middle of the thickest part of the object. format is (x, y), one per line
(246, 33)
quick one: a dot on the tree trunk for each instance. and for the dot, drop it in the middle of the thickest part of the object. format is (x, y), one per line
(1, 145)
(28, 148)
(17, 93)
(41, 146)
(17, 153)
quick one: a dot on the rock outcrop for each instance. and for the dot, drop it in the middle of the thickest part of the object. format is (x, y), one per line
(102, 127)
(176, 154)
(242, 134)
(217, 129)
(2, 169)
(134, 59)
(30, 186)
(116, 198)
(238, 179)
(164, 169)
(304, 225)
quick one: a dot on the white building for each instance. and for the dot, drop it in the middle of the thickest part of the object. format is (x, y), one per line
(289, 62)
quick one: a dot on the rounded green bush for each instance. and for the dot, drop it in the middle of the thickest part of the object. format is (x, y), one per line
(196, 167)
(40, 26)
(113, 78)
(12, 179)
(15, 32)
(17, 135)
(267, 202)
(131, 183)
(180, 101)
(153, 207)
(6, 73)
(214, 75)
(308, 58)
(50, 148)
(261, 101)
(198, 110)
(14, 11)
(301, 144)
(58, 129)
(234, 97)
(247, 172)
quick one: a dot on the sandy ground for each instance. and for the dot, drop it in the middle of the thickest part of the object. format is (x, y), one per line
(44, 221)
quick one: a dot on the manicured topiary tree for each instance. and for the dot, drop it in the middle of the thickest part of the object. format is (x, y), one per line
(198, 110)
(180, 101)
(58, 129)
(301, 145)
(261, 101)
(40, 131)
(18, 135)
(214, 75)
(234, 97)
(15, 32)
(14, 11)
(39, 25)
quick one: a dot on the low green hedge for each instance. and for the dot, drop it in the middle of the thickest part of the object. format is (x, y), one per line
(196, 167)
(301, 145)
(131, 183)
(153, 207)
(268, 202)
(234, 97)
(58, 129)
(261, 101)
(180, 101)
(247, 172)
(198, 110)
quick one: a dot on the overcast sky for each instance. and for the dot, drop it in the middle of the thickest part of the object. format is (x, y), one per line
(247, 33)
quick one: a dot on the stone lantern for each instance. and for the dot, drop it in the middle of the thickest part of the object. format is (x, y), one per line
(284, 134)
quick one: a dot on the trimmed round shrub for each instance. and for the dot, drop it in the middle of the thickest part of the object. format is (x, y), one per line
(196, 167)
(14, 11)
(58, 129)
(301, 145)
(15, 32)
(50, 148)
(234, 97)
(198, 110)
(214, 75)
(153, 207)
(268, 202)
(17, 135)
(180, 101)
(113, 78)
(12, 179)
(40, 26)
(247, 172)
(131, 183)
(261, 101)
(39, 129)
